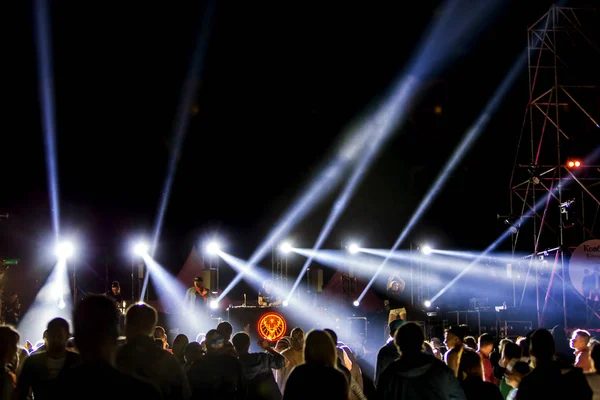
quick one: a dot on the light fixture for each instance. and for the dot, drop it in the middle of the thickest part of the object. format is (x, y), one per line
(353, 248)
(426, 249)
(214, 304)
(64, 250)
(573, 163)
(213, 248)
(427, 303)
(140, 248)
(356, 303)
(286, 247)
(286, 303)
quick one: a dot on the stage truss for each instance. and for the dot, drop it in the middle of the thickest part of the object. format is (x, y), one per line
(562, 121)
(279, 268)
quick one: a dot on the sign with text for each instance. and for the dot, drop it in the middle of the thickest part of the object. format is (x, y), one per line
(584, 269)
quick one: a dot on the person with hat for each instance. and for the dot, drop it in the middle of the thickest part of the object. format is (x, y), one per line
(196, 304)
(197, 297)
(218, 375)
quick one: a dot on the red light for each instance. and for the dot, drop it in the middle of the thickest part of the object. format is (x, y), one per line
(577, 163)
(570, 164)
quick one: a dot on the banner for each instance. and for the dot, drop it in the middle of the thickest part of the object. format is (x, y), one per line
(584, 268)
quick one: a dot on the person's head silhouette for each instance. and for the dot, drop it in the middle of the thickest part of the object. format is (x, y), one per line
(409, 339)
(96, 329)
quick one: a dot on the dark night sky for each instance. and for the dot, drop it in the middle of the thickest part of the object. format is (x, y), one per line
(281, 81)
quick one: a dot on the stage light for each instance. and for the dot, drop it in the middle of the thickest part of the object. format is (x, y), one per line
(427, 303)
(214, 304)
(426, 249)
(356, 303)
(286, 303)
(213, 248)
(354, 248)
(577, 163)
(140, 249)
(573, 163)
(65, 250)
(285, 247)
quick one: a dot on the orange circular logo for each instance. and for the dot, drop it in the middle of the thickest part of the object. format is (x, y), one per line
(272, 327)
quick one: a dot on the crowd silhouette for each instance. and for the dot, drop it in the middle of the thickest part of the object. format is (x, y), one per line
(90, 360)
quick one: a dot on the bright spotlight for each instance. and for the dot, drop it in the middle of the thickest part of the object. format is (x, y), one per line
(356, 303)
(214, 304)
(140, 249)
(65, 250)
(286, 303)
(353, 248)
(285, 247)
(427, 303)
(426, 249)
(213, 248)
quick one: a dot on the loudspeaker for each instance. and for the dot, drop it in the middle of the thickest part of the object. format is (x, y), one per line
(209, 276)
(316, 280)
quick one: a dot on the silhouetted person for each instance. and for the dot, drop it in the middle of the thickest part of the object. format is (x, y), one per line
(470, 342)
(594, 378)
(161, 333)
(42, 368)
(388, 353)
(514, 375)
(226, 330)
(416, 375)
(579, 343)
(96, 332)
(397, 300)
(141, 358)
(511, 353)
(193, 352)
(348, 367)
(196, 306)
(266, 297)
(217, 375)
(115, 294)
(258, 368)
(179, 344)
(588, 284)
(9, 340)
(12, 310)
(485, 345)
(564, 355)
(547, 381)
(474, 386)
(318, 378)
(294, 356)
(453, 339)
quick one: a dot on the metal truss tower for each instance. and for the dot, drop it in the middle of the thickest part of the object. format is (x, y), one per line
(279, 268)
(555, 186)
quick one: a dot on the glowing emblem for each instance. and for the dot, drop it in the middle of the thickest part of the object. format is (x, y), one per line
(271, 327)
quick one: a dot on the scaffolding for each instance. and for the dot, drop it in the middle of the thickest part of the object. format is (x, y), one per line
(554, 204)
(279, 268)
